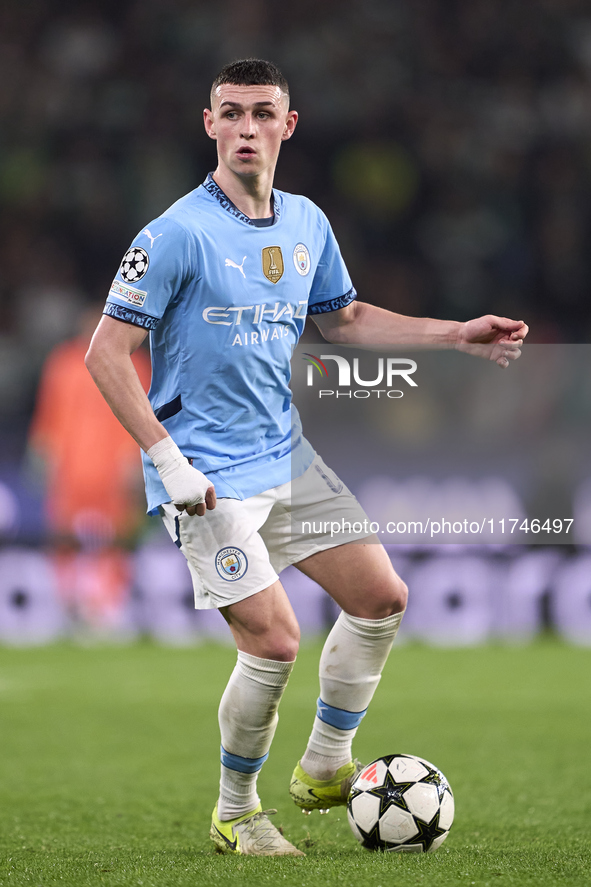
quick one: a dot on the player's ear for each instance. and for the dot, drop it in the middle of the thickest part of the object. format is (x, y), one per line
(209, 124)
(290, 125)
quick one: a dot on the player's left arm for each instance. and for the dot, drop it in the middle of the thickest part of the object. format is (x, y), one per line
(490, 337)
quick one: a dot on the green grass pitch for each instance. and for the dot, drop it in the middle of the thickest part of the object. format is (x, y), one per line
(109, 767)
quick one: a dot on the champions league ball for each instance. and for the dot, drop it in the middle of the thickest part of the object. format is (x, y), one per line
(135, 264)
(401, 803)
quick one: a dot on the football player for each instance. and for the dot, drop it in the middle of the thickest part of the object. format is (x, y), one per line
(222, 282)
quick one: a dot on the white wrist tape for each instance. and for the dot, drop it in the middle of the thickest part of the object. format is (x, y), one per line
(184, 484)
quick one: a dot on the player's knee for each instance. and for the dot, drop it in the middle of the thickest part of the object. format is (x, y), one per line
(279, 639)
(399, 596)
(386, 599)
(283, 646)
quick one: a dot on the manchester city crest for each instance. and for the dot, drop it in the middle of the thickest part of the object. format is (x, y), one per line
(301, 259)
(231, 563)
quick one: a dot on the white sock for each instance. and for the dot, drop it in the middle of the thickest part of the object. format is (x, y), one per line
(351, 666)
(248, 718)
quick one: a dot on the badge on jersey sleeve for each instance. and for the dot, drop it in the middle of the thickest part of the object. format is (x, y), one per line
(272, 263)
(135, 264)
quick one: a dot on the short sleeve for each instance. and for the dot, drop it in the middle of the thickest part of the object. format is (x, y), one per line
(332, 287)
(151, 274)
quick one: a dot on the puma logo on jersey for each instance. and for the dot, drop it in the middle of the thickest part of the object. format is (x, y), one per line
(231, 264)
(152, 239)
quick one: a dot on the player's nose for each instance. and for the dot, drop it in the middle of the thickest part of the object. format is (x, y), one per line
(248, 126)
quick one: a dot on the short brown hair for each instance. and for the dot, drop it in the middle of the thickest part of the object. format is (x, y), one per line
(250, 72)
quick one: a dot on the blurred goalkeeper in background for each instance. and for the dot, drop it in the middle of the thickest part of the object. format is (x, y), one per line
(92, 502)
(223, 282)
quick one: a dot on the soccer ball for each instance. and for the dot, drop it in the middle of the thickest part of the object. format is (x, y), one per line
(135, 264)
(401, 803)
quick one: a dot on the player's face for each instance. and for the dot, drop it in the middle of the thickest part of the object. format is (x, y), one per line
(249, 123)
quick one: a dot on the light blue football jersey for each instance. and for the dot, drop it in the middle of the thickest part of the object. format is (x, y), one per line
(225, 301)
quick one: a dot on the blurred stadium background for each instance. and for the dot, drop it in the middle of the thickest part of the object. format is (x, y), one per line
(450, 145)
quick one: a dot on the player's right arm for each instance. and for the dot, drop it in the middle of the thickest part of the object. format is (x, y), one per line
(109, 362)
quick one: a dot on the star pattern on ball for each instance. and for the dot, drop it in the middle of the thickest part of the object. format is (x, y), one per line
(400, 820)
(428, 832)
(372, 840)
(391, 793)
(436, 778)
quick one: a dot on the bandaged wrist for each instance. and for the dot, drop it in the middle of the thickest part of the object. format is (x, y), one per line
(165, 454)
(184, 484)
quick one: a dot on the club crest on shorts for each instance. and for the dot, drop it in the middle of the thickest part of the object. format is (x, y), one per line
(301, 259)
(231, 563)
(272, 258)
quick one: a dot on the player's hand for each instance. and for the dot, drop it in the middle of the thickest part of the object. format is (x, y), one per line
(188, 488)
(201, 507)
(493, 338)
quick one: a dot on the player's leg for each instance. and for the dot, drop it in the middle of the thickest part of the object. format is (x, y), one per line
(361, 579)
(230, 567)
(267, 637)
(264, 624)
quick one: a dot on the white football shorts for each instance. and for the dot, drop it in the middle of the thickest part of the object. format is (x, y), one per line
(239, 547)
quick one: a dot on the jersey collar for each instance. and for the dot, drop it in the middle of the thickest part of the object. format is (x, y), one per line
(214, 189)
